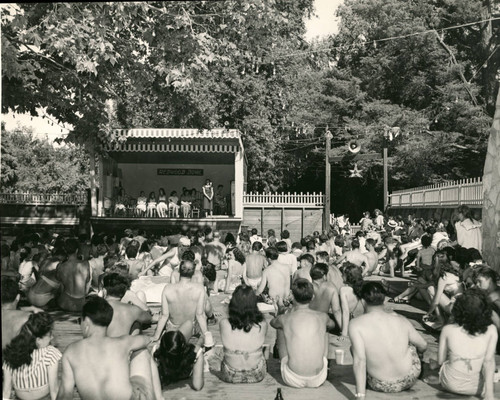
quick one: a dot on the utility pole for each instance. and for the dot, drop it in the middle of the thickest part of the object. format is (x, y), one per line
(328, 183)
(386, 183)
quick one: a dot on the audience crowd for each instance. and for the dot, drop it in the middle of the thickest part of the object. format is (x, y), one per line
(319, 286)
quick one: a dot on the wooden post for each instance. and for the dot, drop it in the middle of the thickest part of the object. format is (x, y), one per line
(386, 188)
(326, 216)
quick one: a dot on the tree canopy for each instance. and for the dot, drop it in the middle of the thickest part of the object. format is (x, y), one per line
(245, 64)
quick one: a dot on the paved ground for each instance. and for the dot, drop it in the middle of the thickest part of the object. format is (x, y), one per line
(339, 385)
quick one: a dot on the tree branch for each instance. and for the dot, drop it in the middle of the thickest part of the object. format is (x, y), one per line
(460, 73)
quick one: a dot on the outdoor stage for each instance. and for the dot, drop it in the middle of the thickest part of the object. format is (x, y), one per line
(219, 223)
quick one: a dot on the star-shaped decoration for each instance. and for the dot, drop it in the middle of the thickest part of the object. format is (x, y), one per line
(355, 172)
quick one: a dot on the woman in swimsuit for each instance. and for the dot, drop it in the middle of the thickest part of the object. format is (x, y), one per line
(235, 267)
(26, 269)
(141, 204)
(30, 362)
(350, 300)
(243, 335)
(178, 360)
(172, 204)
(443, 295)
(467, 347)
(162, 207)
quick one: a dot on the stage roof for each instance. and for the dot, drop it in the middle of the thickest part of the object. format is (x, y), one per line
(176, 140)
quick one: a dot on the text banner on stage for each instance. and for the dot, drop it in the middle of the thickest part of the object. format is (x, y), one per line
(179, 171)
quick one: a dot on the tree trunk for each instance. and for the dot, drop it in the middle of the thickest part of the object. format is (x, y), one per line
(491, 190)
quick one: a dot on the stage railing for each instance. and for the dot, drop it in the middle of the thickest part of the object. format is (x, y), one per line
(283, 199)
(44, 199)
(449, 194)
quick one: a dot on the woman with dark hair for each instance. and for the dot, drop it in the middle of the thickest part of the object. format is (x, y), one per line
(151, 210)
(468, 229)
(235, 261)
(208, 197)
(229, 240)
(173, 205)
(178, 360)
(243, 335)
(162, 207)
(467, 347)
(30, 363)
(443, 293)
(26, 269)
(350, 295)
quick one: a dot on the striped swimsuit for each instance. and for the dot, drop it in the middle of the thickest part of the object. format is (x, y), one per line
(34, 377)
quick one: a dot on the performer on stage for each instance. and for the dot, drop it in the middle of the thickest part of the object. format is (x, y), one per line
(162, 207)
(141, 204)
(185, 203)
(172, 203)
(151, 204)
(208, 196)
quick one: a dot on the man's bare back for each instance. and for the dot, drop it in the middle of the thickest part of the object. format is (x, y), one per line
(255, 264)
(356, 257)
(12, 322)
(324, 294)
(304, 272)
(372, 257)
(100, 367)
(277, 278)
(124, 317)
(390, 358)
(74, 276)
(305, 337)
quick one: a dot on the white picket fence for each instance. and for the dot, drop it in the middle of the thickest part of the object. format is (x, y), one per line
(283, 199)
(43, 198)
(464, 191)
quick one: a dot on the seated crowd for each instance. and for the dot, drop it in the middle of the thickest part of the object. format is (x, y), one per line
(318, 286)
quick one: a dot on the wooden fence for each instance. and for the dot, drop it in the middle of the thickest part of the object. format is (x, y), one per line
(449, 194)
(43, 199)
(299, 200)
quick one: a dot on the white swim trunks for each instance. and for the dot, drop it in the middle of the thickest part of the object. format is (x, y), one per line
(294, 380)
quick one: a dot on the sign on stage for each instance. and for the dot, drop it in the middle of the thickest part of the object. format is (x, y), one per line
(179, 171)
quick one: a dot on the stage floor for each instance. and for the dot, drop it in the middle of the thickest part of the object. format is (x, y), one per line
(118, 224)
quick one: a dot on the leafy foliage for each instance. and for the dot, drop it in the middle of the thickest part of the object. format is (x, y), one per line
(32, 165)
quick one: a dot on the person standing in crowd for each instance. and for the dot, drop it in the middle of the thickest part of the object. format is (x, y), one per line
(468, 229)
(243, 335)
(255, 236)
(255, 263)
(208, 196)
(366, 221)
(378, 221)
(286, 258)
(220, 201)
(162, 207)
(388, 366)
(467, 348)
(285, 237)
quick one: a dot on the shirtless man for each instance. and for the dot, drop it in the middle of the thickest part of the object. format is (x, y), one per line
(354, 256)
(276, 276)
(385, 365)
(326, 296)
(135, 267)
(99, 366)
(12, 318)
(255, 263)
(372, 257)
(306, 263)
(126, 317)
(74, 275)
(181, 302)
(304, 350)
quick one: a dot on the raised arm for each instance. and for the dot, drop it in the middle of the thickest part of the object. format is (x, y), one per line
(67, 380)
(164, 315)
(163, 257)
(437, 295)
(359, 359)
